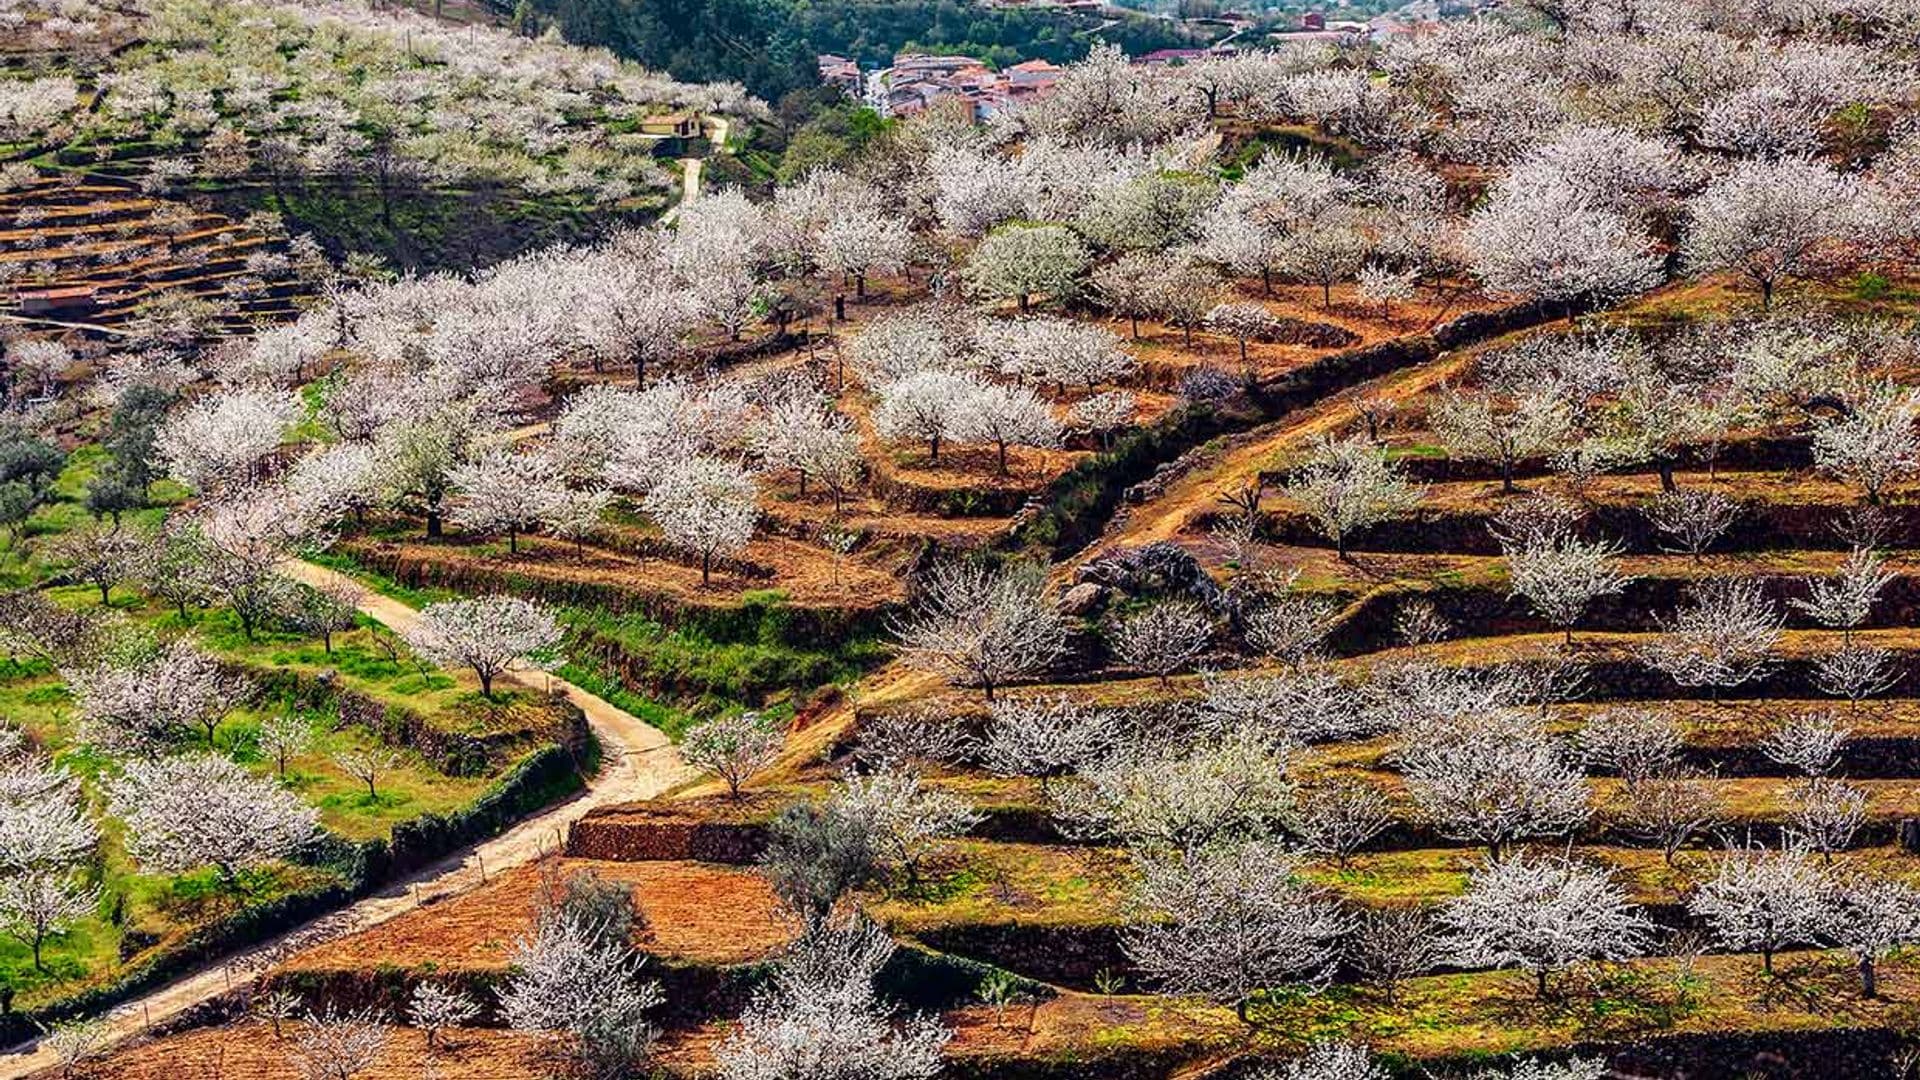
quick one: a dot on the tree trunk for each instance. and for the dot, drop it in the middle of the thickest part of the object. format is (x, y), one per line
(513, 542)
(706, 568)
(860, 286)
(1243, 350)
(640, 373)
(1326, 295)
(1024, 304)
(933, 450)
(1869, 983)
(1506, 475)
(1666, 475)
(434, 531)
(1135, 319)
(486, 683)
(1540, 982)
(840, 308)
(1003, 458)
(1266, 280)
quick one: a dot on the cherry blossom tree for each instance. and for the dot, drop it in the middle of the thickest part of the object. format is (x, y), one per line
(907, 820)
(99, 556)
(1242, 321)
(1181, 798)
(1060, 351)
(1562, 575)
(1392, 945)
(1325, 252)
(220, 439)
(42, 903)
(706, 507)
(1770, 220)
(338, 1045)
(1824, 814)
(820, 1016)
(1328, 1061)
(1856, 670)
(434, 1008)
(1479, 426)
(1722, 637)
(1635, 743)
(862, 243)
(1230, 922)
(418, 456)
(1349, 485)
(932, 406)
(325, 609)
(502, 491)
(980, 626)
(1762, 900)
(572, 978)
(1007, 416)
(242, 540)
(1874, 443)
(1493, 778)
(1388, 286)
(732, 747)
(1046, 737)
(1871, 917)
(1337, 818)
(492, 635)
(1548, 243)
(45, 836)
(1808, 742)
(1845, 601)
(183, 813)
(1103, 414)
(1693, 518)
(1540, 914)
(1673, 807)
(1168, 286)
(1017, 261)
(367, 764)
(1162, 639)
(280, 737)
(145, 705)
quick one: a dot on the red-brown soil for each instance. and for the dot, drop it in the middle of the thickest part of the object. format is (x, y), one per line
(694, 912)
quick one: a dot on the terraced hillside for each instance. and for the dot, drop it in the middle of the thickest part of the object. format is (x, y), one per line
(1311, 564)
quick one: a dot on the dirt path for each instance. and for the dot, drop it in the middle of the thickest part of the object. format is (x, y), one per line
(639, 762)
(691, 167)
(1167, 516)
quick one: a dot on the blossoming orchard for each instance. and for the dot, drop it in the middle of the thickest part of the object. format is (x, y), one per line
(1350, 550)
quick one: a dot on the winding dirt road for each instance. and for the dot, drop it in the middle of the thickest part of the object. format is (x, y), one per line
(638, 762)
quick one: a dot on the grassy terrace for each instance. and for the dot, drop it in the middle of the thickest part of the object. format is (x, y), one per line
(147, 913)
(746, 656)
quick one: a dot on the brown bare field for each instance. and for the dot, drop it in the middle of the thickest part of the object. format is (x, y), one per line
(251, 1050)
(694, 912)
